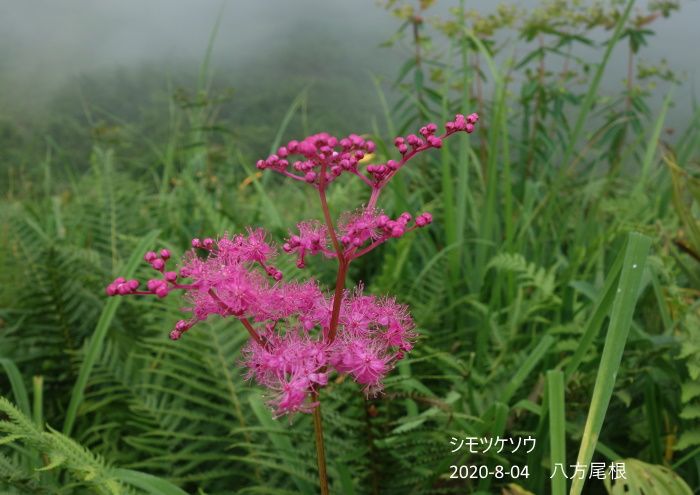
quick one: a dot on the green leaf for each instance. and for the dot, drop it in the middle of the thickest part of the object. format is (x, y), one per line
(147, 482)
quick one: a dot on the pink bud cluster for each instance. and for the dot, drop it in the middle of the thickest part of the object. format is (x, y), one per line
(158, 287)
(336, 155)
(301, 334)
(329, 156)
(359, 233)
(412, 144)
(121, 287)
(462, 123)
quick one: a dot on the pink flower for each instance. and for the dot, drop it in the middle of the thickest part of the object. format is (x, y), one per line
(292, 366)
(311, 239)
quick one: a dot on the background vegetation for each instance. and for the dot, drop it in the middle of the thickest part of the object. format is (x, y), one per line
(562, 265)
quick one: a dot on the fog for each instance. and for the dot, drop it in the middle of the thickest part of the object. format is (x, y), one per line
(46, 44)
(49, 38)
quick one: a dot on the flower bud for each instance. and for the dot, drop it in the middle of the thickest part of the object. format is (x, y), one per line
(435, 142)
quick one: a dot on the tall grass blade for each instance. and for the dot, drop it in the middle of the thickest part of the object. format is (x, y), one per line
(97, 340)
(298, 101)
(526, 368)
(17, 384)
(653, 143)
(587, 104)
(601, 310)
(620, 321)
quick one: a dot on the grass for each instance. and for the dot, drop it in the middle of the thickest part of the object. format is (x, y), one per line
(620, 320)
(555, 295)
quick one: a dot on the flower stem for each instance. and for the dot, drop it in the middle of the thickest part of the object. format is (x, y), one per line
(246, 323)
(342, 260)
(327, 214)
(337, 299)
(253, 333)
(320, 448)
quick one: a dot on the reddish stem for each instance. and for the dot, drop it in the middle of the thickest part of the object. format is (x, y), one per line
(377, 243)
(252, 332)
(342, 261)
(320, 448)
(337, 298)
(335, 314)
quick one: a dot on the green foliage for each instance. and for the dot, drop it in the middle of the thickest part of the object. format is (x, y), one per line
(648, 479)
(59, 451)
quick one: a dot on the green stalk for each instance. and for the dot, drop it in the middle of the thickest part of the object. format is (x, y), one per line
(38, 402)
(653, 143)
(557, 429)
(462, 157)
(488, 227)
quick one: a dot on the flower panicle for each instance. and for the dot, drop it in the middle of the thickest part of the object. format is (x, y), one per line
(301, 334)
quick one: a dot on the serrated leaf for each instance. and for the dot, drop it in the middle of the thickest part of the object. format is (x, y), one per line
(689, 391)
(690, 412)
(10, 438)
(56, 460)
(687, 439)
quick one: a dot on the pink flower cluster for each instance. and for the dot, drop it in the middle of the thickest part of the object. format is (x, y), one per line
(373, 335)
(290, 353)
(300, 333)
